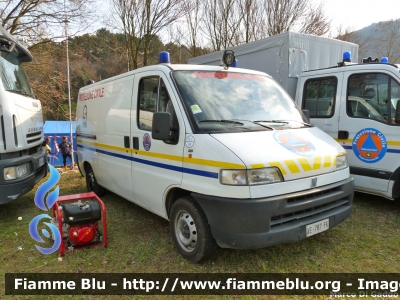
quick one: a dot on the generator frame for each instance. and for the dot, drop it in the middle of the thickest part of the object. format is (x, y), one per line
(57, 213)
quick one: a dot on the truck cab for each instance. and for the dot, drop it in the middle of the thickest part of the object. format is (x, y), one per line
(356, 105)
(22, 158)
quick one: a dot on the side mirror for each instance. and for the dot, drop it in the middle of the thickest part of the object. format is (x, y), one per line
(397, 115)
(306, 112)
(161, 126)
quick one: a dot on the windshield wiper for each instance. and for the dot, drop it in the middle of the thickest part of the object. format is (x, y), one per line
(222, 121)
(306, 124)
(283, 122)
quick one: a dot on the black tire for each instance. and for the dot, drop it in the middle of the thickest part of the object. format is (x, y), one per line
(190, 230)
(91, 182)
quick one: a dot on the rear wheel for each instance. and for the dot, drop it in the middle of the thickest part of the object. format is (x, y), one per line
(190, 230)
(91, 182)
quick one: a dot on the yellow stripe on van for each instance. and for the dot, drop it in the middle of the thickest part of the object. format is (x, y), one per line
(327, 161)
(196, 161)
(292, 166)
(393, 143)
(317, 162)
(257, 166)
(343, 140)
(279, 166)
(304, 164)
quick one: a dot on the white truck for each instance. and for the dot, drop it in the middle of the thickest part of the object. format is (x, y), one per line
(224, 154)
(22, 158)
(355, 103)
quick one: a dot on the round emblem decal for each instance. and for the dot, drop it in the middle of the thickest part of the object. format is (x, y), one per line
(369, 145)
(189, 141)
(146, 142)
(295, 143)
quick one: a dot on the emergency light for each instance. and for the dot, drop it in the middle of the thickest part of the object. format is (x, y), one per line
(347, 56)
(228, 58)
(234, 64)
(163, 57)
(384, 60)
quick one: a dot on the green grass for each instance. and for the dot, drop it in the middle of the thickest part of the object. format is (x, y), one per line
(140, 241)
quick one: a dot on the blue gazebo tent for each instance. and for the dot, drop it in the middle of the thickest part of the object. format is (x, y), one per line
(55, 130)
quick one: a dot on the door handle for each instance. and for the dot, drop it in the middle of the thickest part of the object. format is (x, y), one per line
(126, 142)
(135, 141)
(343, 135)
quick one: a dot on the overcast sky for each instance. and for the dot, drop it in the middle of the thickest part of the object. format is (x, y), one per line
(355, 14)
(360, 13)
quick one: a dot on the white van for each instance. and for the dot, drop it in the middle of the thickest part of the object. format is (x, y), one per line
(224, 154)
(355, 103)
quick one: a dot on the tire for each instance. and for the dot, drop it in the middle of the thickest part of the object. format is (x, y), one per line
(91, 182)
(190, 230)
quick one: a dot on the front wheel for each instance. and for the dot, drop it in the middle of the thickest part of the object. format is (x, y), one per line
(190, 230)
(91, 182)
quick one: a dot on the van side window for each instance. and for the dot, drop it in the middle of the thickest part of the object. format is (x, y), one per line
(319, 97)
(394, 98)
(154, 97)
(148, 94)
(367, 96)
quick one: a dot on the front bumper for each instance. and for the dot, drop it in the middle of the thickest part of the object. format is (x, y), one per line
(258, 223)
(13, 189)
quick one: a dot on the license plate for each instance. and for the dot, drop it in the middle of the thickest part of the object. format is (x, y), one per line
(317, 227)
(41, 161)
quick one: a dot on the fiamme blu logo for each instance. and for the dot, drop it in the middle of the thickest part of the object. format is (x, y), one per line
(50, 200)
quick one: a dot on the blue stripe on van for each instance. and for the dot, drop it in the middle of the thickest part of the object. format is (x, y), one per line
(388, 150)
(154, 164)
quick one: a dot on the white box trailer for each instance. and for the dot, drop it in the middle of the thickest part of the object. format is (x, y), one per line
(285, 56)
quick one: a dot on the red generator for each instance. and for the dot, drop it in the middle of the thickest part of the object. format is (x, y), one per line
(77, 218)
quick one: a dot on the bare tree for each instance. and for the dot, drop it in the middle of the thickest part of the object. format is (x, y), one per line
(221, 23)
(386, 40)
(348, 34)
(40, 20)
(300, 15)
(142, 21)
(253, 29)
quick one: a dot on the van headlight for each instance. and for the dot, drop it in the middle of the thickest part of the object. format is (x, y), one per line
(15, 172)
(251, 177)
(341, 162)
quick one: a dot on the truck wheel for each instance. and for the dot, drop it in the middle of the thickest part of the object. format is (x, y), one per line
(190, 230)
(91, 182)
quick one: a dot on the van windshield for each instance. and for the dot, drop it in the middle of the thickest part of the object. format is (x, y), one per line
(230, 102)
(13, 75)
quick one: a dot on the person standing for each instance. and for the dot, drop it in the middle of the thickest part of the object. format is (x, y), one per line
(48, 149)
(66, 151)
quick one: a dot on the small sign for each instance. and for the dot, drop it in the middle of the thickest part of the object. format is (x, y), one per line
(195, 109)
(146, 142)
(189, 141)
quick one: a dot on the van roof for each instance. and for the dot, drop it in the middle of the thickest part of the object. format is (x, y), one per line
(166, 68)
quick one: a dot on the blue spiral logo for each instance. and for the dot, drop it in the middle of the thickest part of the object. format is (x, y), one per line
(34, 234)
(45, 187)
(50, 200)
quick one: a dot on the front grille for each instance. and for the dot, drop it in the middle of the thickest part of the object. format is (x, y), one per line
(34, 137)
(33, 150)
(310, 197)
(308, 213)
(29, 135)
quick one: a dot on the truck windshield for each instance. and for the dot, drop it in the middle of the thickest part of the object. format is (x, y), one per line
(13, 75)
(228, 101)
